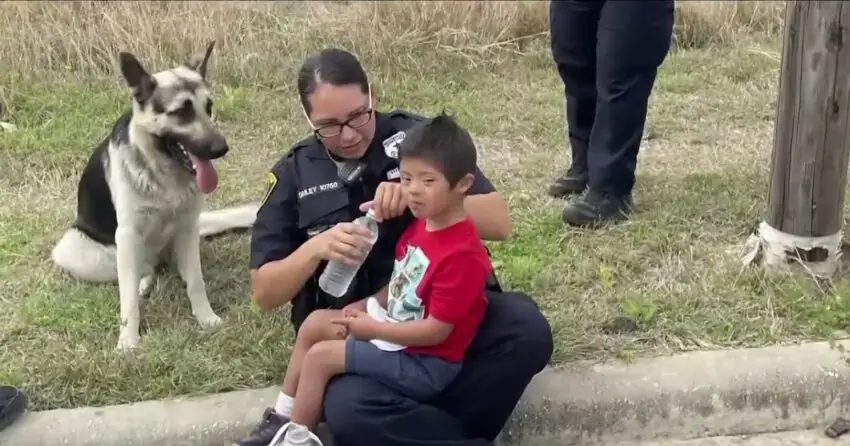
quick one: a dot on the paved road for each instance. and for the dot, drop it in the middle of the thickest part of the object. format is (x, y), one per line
(799, 438)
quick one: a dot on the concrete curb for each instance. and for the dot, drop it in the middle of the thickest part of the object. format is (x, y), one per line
(686, 396)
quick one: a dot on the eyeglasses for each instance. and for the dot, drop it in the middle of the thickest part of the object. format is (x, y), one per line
(354, 122)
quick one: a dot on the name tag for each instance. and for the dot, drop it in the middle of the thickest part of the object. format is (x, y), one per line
(393, 174)
(313, 190)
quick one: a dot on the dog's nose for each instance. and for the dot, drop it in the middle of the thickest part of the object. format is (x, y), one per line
(218, 148)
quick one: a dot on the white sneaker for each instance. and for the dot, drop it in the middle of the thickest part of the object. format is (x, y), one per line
(291, 434)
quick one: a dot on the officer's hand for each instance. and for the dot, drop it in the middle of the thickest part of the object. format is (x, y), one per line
(345, 242)
(389, 201)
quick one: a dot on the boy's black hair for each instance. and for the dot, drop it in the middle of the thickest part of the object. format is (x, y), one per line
(442, 141)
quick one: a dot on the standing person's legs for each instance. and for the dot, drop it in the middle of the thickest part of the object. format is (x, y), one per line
(633, 41)
(572, 25)
(513, 344)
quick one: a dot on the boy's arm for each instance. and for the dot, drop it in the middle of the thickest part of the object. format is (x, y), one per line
(455, 287)
(422, 333)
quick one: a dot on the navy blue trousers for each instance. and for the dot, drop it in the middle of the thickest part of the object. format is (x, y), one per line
(608, 53)
(513, 344)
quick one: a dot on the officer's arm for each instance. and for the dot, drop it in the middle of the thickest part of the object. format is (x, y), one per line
(281, 263)
(488, 209)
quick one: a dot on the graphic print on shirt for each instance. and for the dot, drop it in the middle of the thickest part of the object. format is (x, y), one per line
(402, 302)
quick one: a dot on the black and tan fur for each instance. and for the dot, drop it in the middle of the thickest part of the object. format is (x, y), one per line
(138, 204)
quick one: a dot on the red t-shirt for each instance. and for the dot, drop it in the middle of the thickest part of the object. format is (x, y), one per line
(441, 274)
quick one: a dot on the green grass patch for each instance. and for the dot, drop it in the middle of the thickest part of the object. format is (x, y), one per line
(673, 269)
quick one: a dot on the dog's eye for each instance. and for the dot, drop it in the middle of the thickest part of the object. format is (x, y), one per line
(187, 106)
(209, 107)
(186, 109)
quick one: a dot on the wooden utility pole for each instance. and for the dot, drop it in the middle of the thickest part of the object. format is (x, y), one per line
(811, 141)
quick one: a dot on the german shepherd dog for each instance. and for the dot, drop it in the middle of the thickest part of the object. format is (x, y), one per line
(140, 197)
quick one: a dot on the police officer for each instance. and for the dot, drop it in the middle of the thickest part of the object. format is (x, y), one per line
(608, 53)
(315, 192)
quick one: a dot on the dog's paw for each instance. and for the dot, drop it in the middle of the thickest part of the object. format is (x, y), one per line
(208, 320)
(127, 342)
(146, 285)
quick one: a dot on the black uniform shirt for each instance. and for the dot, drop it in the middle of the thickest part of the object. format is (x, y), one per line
(306, 197)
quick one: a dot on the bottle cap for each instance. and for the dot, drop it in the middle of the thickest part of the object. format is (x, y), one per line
(371, 213)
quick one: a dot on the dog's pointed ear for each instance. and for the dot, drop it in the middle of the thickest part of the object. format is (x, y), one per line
(140, 82)
(199, 61)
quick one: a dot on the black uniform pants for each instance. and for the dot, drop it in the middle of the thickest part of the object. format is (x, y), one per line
(608, 53)
(513, 344)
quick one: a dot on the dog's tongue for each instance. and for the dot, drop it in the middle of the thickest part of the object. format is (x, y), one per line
(205, 174)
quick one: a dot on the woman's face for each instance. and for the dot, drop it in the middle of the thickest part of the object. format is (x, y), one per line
(343, 118)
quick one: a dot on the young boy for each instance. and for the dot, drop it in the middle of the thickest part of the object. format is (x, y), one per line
(413, 334)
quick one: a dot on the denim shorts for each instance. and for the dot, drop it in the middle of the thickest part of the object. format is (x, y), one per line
(415, 376)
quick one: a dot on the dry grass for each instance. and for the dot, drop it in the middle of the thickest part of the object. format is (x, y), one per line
(261, 41)
(700, 24)
(701, 185)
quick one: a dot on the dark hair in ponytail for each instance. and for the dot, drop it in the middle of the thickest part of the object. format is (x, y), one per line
(333, 66)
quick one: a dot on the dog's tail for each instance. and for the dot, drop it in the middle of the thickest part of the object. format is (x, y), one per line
(228, 219)
(84, 258)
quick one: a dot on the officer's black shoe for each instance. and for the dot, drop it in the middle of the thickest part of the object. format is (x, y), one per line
(264, 432)
(597, 208)
(13, 403)
(570, 183)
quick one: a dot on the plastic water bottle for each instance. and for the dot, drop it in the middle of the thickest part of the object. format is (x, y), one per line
(292, 434)
(337, 276)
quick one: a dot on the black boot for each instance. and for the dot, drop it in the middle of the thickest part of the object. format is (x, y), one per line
(13, 403)
(265, 431)
(597, 208)
(570, 183)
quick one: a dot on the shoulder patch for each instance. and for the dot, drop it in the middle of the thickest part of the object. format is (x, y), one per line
(391, 144)
(271, 182)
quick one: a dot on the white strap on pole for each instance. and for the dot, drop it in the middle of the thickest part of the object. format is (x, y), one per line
(774, 246)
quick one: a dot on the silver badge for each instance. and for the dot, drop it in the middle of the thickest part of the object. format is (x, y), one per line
(391, 144)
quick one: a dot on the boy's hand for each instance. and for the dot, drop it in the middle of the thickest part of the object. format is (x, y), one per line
(359, 324)
(342, 331)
